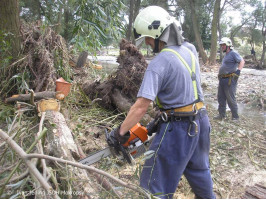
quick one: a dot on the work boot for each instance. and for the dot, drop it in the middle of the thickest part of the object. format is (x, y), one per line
(219, 117)
(236, 119)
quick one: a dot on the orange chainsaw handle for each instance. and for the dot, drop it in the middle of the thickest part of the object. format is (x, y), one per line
(137, 132)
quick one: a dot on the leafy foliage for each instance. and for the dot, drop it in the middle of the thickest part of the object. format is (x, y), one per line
(85, 24)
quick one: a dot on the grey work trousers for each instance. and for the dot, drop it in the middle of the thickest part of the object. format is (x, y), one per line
(227, 93)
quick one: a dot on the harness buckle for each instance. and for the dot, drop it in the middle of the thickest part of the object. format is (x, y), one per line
(194, 109)
(164, 117)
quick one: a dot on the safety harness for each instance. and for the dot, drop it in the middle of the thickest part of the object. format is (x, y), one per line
(189, 111)
(192, 71)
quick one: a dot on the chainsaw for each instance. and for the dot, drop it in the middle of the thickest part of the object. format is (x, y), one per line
(137, 144)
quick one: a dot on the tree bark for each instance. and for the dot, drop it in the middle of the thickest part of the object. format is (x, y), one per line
(129, 28)
(59, 18)
(215, 22)
(9, 23)
(136, 12)
(203, 55)
(67, 14)
(263, 32)
(255, 192)
(136, 9)
(62, 145)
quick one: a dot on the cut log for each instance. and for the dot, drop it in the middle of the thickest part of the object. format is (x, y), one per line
(61, 144)
(257, 191)
(48, 104)
(37, 96)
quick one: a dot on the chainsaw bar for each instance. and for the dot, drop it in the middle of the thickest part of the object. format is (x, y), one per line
(133, 152)
(95, 157)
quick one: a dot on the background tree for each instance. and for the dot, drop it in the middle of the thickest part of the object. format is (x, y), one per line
(214, 28)
(130, 21)
(9, 24)
(260, 15)
(196, 30)
(197, 17)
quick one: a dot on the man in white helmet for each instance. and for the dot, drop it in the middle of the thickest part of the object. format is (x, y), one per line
(172, 79)
(229, 72)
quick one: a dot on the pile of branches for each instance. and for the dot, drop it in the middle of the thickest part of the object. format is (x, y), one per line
(44, 58)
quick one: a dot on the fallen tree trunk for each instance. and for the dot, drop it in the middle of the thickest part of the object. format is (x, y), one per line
(61, 144)
(255, 192)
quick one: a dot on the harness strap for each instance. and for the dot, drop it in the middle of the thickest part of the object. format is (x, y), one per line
(191, 70)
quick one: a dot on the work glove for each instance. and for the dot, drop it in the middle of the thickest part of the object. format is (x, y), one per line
(115, 139)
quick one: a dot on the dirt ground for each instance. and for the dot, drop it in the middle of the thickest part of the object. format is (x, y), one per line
(238, 150)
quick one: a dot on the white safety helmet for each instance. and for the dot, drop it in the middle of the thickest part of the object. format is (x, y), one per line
(151, 22)
(226, 41)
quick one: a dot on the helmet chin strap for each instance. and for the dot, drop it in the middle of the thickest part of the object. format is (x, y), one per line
(156, 46)
(227, 47)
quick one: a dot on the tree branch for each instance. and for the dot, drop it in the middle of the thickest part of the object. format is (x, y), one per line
(39, 145)
(90, 168)
(17, 178)
(33, 170)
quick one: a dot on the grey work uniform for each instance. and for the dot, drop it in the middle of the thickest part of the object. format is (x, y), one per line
(227, 85)
(175, 152)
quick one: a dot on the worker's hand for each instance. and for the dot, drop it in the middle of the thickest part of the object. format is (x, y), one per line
(116, 139)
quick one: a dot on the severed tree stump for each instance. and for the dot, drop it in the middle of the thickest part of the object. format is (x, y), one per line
(82, 59)
(255, 192)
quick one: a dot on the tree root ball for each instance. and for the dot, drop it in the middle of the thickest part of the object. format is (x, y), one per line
(120, 89)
